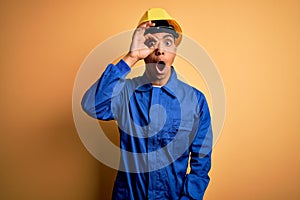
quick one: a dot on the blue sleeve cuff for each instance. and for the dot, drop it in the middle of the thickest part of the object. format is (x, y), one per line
(123, 68)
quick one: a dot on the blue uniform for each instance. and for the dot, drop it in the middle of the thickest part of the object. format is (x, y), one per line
(160, 128)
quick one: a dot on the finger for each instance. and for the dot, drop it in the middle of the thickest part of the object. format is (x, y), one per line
(151, 23)
(146, 24)
(141, 28)
(150, 36)
(143, 25)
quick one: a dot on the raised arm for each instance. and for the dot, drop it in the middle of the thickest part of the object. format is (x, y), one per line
(97, 101)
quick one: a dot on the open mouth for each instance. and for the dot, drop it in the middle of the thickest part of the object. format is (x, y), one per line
(160, 66)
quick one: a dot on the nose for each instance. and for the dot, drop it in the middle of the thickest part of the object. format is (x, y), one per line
(159, 51)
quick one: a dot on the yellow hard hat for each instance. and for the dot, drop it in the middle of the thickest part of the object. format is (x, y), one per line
(160, 14)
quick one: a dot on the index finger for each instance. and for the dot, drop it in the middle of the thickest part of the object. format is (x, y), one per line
(146, 24)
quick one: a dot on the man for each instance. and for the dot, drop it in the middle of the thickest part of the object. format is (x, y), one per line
(162, 121)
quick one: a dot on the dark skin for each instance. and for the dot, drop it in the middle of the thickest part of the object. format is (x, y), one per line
(158, 51)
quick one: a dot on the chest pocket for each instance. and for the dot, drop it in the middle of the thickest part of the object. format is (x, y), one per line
(178, 138)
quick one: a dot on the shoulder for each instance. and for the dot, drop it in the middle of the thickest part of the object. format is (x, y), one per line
(133, 83)
(187, 87)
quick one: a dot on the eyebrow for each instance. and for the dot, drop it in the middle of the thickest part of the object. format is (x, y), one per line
(168, 35)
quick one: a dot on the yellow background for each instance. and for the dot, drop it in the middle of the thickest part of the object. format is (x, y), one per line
(255, 45)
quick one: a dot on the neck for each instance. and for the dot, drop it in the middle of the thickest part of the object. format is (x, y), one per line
(156, 81)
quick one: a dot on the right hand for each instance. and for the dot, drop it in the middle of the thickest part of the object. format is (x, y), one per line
(140, 48)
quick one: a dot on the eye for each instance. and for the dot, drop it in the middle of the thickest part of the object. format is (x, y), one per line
(150, 42)
(168, 42)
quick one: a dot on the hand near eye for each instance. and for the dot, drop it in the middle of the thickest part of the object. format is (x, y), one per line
(141, 45)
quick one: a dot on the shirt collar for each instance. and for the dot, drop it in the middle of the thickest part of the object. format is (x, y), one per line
(144, 85)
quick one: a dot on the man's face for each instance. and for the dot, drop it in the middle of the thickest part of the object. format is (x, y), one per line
(158, 63)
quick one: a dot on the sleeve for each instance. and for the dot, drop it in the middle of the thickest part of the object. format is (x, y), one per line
(97, 101)
(197, 180)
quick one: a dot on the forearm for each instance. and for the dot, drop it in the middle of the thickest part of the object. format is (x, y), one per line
(130, 59)
(196, 182)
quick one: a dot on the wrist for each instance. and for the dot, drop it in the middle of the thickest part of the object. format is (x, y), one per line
(130, 59)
